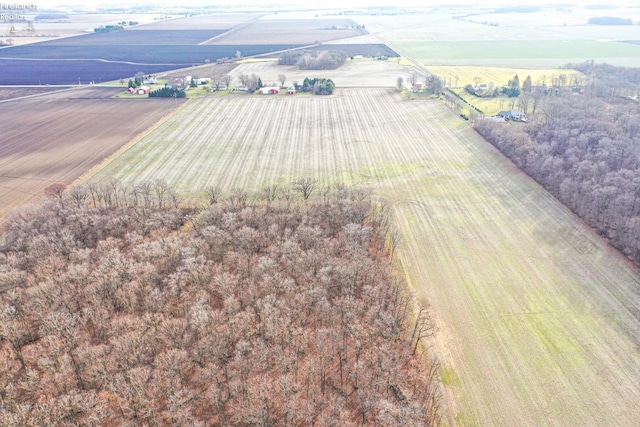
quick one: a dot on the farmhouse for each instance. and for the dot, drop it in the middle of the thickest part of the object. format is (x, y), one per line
(514, 115)
(269, 90)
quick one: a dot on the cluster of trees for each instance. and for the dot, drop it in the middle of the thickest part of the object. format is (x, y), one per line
(319, 86)
(314, 60)
(167, 92)
(221, 81)
(608, 81)
(432, 83)
(252, 82)
(137, 80)
(511, 90)
(275, 312)
(108, 28)
(585, 149)
(609, 20)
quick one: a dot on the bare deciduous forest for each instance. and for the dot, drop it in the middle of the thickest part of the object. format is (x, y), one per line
(584, 148)
(119, 307)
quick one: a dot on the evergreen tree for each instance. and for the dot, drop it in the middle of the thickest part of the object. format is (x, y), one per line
(515, 83)
(526, 86)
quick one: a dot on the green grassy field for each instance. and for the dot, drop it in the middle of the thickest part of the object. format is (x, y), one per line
(437, 39)
(524, 53)
(536, 315)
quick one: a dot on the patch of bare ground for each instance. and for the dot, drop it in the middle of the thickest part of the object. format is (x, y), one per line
(11, 92)
(362, 39)
(200, 22)
(57, 137)
(201, 71)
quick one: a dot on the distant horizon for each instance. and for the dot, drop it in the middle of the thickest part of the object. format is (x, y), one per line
(309, 4)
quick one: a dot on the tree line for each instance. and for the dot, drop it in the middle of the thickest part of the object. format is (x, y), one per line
(120, 306)
(585, 149)
(314, 60)
(167, 92)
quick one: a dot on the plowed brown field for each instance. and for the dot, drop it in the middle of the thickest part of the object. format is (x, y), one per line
(57, 137)
(539, 320)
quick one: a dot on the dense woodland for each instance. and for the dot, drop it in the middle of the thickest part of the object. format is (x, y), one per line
(584, 147)
(120, 307)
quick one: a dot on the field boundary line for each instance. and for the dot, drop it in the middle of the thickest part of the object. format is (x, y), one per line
(232, 30)
(65, 89)
(120, 151)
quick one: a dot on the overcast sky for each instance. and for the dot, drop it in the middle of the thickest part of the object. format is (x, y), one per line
(323, 4)
(302, 3)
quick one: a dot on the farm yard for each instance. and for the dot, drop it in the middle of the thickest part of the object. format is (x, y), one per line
(536, 314)
(457, 77)
(57, 137)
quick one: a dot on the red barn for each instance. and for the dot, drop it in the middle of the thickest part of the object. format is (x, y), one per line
(269, 90)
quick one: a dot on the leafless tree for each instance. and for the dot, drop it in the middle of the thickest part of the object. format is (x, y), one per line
(227, 79)
(434, 84)
(305, 186)
(413, 78)
(213, 193)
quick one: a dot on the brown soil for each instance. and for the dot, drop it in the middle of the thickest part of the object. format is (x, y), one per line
(59, 136)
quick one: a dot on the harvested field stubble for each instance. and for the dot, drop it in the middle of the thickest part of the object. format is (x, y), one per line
(283, 31)
(536, 313)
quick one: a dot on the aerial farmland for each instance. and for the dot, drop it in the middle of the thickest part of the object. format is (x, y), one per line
(501, 262)
(536, 315)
